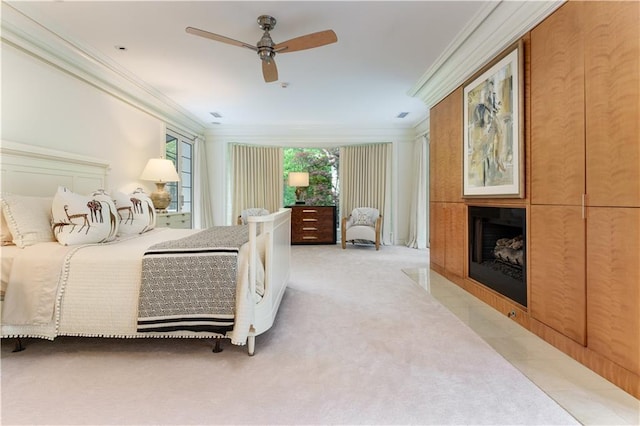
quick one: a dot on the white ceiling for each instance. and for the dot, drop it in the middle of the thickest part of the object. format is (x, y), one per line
(383, 49)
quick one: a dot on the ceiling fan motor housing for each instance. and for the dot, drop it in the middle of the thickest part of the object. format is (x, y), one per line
(266, 22)
(265, 44)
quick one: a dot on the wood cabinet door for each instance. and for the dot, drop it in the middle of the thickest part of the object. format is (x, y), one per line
(437, 226)
(557, 108)
(613, 284)
(456, 249)
(437, 145)
(557, 269)
(453, 119)
(612, 82)
(445, 180)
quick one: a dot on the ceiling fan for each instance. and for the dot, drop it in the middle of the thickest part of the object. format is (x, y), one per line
(267, 49)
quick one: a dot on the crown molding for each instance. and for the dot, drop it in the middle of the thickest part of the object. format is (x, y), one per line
(27, 35)
(495, 27)
(319, 135)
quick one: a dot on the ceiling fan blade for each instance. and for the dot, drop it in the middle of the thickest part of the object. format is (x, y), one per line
(269, 71)
(217, 37)
(308, 41)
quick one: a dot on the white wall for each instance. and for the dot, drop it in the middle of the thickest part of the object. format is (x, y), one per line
(402, 139)
(47, 107)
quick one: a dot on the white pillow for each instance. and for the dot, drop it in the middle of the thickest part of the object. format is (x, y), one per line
(28, 218)
(107, 211)
(5, 234)
(80, 219)
(135, 211)
(365, 216)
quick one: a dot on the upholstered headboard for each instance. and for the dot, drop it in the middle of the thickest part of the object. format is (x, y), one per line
(36, 171)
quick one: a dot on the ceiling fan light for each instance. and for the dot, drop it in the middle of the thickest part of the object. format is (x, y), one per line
(266, 55)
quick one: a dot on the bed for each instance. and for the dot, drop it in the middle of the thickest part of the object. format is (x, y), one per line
(112, 288)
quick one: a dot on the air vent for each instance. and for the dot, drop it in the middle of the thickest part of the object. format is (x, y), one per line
(402, 115)
(216, 114)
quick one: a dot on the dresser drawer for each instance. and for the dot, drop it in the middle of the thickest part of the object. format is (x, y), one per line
(313, 225)
(173, 220)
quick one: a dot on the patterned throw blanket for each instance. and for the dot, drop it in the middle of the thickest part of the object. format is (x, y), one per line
(190, 283)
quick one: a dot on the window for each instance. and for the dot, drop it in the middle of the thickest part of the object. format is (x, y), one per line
(179, 149)
(322, 165)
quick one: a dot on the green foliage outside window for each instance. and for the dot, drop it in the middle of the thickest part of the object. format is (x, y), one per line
(322, 166)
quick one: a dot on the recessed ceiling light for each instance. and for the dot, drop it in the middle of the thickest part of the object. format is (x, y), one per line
(120, 48)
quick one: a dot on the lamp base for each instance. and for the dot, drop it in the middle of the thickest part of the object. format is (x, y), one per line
(300, 192)
(161, 198)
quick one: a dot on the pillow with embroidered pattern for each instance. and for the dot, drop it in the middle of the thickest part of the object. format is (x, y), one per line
(135, 212)
(105, 210)
(81, 219)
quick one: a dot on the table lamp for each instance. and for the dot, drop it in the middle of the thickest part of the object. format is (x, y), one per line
(301, 181)
(160, 171)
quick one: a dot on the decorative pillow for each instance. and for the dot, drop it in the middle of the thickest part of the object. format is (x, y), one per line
(365, 216)
(28, 219)
(80, 219)
(5, 234)
(105, 209)
(254, 211)
(135, 211)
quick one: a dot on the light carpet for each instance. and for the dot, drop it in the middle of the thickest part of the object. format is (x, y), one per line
(356, 341)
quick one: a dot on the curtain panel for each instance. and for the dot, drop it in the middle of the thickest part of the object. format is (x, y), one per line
(202, 209)
(419, 212)
(364, 181)
(256, 178)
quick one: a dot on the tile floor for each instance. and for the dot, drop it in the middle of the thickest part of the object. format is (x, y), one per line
(591, 399)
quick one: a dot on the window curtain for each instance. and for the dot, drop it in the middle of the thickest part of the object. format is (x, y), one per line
(419, 212)
(256, 178)
(364, 181)
(203, 210)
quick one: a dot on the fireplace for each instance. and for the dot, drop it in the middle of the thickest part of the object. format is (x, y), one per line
(498, 250)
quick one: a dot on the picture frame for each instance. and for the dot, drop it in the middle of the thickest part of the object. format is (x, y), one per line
(493, 150)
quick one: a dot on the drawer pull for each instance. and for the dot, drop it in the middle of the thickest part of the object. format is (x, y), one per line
(309, 229)
(309, 238)
(309, 220)
(309, 211)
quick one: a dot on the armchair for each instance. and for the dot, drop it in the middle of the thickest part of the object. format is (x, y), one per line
(254, 211)
(362, 225)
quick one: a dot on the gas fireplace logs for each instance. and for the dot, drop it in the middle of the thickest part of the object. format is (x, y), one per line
(509, 250)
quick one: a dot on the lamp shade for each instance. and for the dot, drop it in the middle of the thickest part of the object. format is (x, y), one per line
(160, 170)
(298, 179)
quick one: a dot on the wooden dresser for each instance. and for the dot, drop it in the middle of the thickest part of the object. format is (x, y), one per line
(313, 224)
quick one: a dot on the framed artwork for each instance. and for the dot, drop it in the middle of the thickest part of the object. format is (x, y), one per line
(493, 129)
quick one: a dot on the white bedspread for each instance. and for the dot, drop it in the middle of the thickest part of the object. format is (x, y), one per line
(96, 294)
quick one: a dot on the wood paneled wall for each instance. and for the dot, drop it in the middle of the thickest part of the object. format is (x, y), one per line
(582, 145)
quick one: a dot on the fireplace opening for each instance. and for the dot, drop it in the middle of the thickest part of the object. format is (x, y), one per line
(497, 250)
